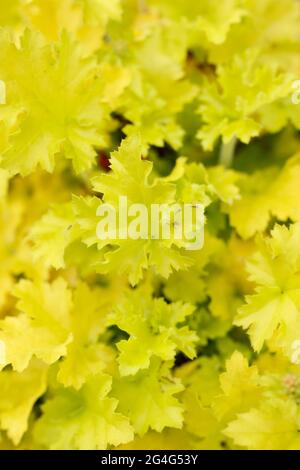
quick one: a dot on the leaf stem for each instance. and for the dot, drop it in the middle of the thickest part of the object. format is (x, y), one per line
(227, 152)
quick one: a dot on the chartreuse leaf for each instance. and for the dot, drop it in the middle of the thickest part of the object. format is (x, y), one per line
(272, 426)
(154, 328)
(12, 15)
(84, 419)
(72, 15)
(275, 23)
(157, 388)
(52, 234)
(190, 286)
(229, 103)
(130, 178)
(240, 387)
(86, 357)
(208, 17)
(150, 104)
(46, 96)
(195, 183)
(272, 312)
(18, 393)
(268, 193)
(42, 328)
(201, 423)
(201, 381)
(227, 281)
(52, 324)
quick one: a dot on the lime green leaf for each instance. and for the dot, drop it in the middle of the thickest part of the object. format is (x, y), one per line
(154, 329)
(84, 419)
(54, 111)
(240, 387)
(272, 313)
(266, 193)
(273, 426)
(147, 398)
(241, 89)
(42, 328)
(19, 392)
(52, 234)
(85, 356)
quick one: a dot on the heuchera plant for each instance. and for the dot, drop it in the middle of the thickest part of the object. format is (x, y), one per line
(135, 343)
